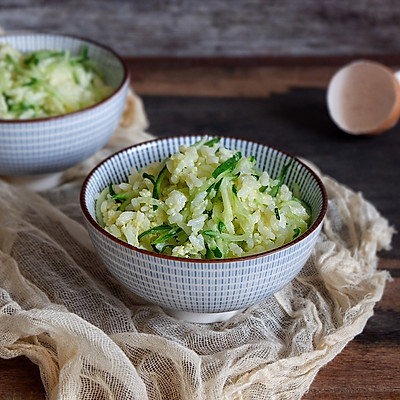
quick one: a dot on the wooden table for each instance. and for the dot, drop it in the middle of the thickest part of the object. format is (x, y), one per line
(246, 96)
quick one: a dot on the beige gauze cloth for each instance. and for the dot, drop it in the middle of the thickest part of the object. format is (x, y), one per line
(92, 339)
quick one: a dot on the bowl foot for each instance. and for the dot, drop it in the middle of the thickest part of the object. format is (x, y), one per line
(202, 318)
(36, 183)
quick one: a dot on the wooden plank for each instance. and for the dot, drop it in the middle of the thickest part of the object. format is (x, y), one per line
(20, 380)
(217, 28)
(237, 77)
(359, 372)
(230, 80)
(369, 367)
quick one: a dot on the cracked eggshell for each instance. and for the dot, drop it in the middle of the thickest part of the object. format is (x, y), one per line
(364, 98)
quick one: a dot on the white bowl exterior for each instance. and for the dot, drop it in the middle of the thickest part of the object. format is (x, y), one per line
(55, 144)
(201, 287)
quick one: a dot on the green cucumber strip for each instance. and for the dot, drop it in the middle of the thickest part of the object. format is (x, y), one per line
(209, 254)
(173, 232)
(21, 107)
(123, 205)
(227, 165)
(226, 194)
(157, 185)
(76, 77)
(7, 98)
(156, 229)
(234, 190)
(216, 185)
(296, 232)
(167, 246)
(15, 64)
(83, 56)
(210, 233)
(217, 252)
(211, 142)
(221, 226)
(263, 189)
(208, 190)
(159, 248)
(31, 82)
(281, 177)
(40, 55)
(111, 190)
(151, 178)
(235, 237)
(85, 52)
(121, 197)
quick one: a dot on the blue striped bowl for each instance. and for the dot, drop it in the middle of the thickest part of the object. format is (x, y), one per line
(202, 290)
(47, 145)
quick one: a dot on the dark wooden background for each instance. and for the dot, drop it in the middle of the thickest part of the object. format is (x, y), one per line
(209, 28)
(256, 69)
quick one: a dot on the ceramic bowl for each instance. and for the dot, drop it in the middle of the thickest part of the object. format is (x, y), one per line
(202, 290)
(48, 145)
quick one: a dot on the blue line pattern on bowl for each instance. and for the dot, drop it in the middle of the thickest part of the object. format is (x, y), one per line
(202, 286)
(47, 145)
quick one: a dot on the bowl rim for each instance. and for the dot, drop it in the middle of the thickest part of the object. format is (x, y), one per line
(102, 231)
(125, 79)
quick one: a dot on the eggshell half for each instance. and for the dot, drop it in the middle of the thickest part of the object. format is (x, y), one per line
(364, 98)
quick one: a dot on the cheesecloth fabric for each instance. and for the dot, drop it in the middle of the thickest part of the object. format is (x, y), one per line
(94, 340)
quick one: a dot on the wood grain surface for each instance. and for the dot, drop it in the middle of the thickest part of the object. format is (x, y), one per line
(283, 106)
(217, 28)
